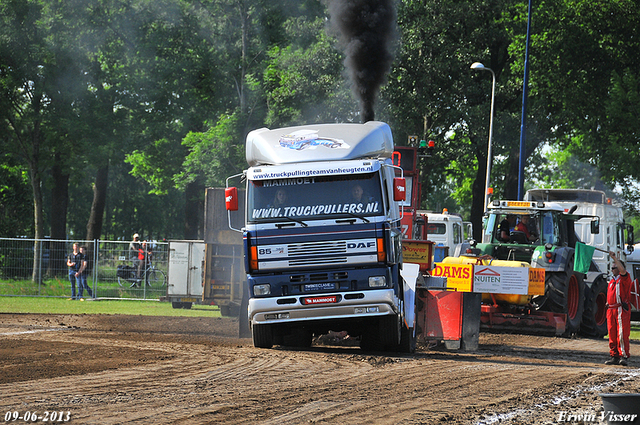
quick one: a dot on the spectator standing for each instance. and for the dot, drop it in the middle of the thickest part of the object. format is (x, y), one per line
(618, 313)
(74, 261)
(83, 275)
(134, 254)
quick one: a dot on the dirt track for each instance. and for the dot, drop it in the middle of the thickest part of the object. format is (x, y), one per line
(151, 370)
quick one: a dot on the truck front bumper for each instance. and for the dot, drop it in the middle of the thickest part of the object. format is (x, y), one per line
(348, 305)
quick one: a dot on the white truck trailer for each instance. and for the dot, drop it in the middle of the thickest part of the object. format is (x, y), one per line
(615, 235)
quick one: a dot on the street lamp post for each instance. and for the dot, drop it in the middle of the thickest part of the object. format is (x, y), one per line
(480, 67)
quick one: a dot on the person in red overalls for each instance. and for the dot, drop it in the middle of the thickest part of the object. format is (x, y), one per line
(618, 313)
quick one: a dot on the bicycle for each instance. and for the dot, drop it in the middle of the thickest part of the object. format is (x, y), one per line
(152, 276)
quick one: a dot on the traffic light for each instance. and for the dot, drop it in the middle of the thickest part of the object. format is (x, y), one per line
(426, 148)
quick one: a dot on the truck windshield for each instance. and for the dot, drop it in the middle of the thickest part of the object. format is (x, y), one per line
(318, 197)
(509, 222)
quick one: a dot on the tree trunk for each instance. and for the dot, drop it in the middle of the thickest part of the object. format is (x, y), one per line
(96, 217)
(94, 225)
(511, 179)
(58, 220)
(36, 184)
(194, 210)
(478, 198)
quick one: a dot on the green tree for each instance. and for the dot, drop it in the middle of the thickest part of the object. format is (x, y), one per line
(583, 72)
(304, 80)
(432, 92)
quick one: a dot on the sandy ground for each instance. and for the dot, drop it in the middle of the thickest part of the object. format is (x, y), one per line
(101, 369)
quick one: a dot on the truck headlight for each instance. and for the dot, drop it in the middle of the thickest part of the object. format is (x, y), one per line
(377, 281)
(262, 289)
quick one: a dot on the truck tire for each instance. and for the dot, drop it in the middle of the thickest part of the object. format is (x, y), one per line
(370, 339)
(299, 337)
(565, 294)
(407, 340)
(594, 318)
(244, 330)
(262, 336)
(390, 329)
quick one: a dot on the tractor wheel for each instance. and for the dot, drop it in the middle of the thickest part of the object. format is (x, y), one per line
(262, 336)
(594, 318)
(565, 294)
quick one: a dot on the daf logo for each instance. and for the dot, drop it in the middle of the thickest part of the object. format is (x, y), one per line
(360, 245)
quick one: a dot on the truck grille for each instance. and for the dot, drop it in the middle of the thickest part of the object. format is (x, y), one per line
(316, 248)
(317, 261)
(318, 277)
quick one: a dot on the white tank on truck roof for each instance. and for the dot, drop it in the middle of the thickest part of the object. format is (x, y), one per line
(319, 142)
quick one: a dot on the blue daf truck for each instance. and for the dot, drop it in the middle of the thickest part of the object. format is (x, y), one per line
(322, 236)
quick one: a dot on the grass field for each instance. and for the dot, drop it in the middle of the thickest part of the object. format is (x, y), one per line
(132, 307)
(105, 287)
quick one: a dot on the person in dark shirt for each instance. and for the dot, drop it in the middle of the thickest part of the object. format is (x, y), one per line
(506, 226)
(82, 285)
(74, 262)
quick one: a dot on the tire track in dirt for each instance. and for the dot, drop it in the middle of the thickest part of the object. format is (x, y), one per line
(185, 376)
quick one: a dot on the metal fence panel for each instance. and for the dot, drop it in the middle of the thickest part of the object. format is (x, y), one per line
(31, 267)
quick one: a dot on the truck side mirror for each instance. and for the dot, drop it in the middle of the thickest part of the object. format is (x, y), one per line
(231, 198)
(595, 226)
(399, 189)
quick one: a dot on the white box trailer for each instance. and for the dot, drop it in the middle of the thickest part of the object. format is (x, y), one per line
(185, 273)
(614, 235)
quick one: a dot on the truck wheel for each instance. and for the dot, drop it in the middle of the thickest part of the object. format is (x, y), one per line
(389, 328)
(244, 330)
(565, 294)
(407, 340)
(594, 318)
(370, 339)
(299, 337)
(262, 336)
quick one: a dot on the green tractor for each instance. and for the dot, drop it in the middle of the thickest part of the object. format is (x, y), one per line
(543, 235)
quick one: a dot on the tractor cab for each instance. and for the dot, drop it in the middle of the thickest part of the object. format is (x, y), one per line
(513, 230)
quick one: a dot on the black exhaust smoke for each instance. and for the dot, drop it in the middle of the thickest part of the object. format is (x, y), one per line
(366, 28)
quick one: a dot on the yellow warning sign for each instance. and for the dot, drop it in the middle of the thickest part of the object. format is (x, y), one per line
(459, 276)
(536, 281)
